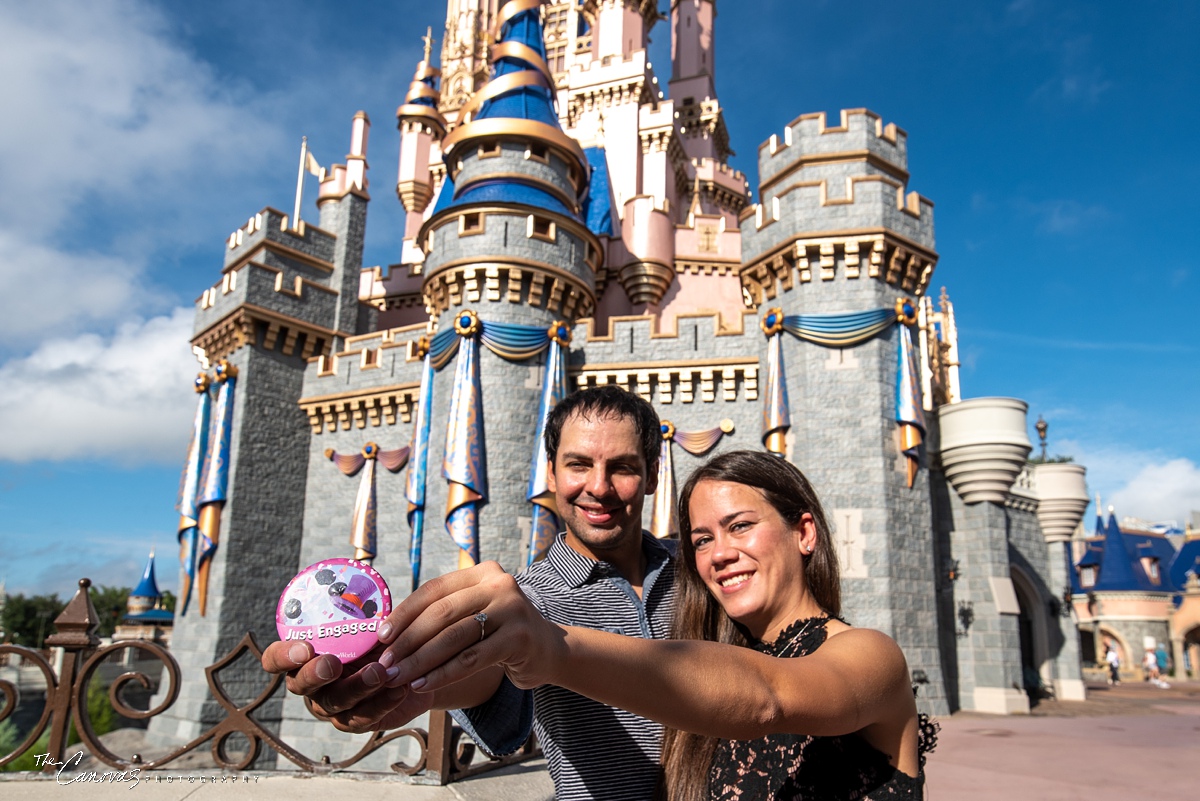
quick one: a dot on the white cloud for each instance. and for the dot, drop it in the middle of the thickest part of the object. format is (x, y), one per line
(1145, 484)
(113, 134)
(1163, 491)
(126, 397)
(43, 289)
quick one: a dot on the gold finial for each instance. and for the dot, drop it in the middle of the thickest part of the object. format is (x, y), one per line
(428, 40)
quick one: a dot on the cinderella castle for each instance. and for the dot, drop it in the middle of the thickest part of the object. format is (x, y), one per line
(569, 222)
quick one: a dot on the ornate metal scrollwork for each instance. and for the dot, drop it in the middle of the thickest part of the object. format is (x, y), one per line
(443, 755)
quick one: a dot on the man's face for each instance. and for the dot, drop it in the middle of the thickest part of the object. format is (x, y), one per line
(599, 480)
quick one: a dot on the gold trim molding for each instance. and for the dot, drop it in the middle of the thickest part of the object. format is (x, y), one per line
(516, 281)
(881, 254)
(236, 330)
(662, 382)
(360, 408)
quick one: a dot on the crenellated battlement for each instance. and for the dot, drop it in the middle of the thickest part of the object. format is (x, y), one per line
(698, 359)
(271, 228)
(808, 141)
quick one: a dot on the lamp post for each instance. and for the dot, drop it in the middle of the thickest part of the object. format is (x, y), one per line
(1042, 427)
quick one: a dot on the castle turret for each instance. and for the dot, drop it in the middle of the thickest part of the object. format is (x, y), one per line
(420, 124)
(836, 233)
(465, 59)
(288, 293)
(145, 595)
(505, 244)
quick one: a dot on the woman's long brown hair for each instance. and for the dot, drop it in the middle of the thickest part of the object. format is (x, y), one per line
(697, 615)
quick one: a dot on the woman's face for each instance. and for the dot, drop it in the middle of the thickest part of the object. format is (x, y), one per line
(749, 557)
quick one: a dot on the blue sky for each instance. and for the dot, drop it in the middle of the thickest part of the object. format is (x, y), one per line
(1057, 140)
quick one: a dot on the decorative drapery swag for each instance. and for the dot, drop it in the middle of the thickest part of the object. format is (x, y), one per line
(842, 331)
(362, 525)
(664, 517)
(463, 465)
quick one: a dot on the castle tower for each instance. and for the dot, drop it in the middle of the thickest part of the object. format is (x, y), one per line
(288, 293)
(145, 595)
(836, 232)
(507, 240)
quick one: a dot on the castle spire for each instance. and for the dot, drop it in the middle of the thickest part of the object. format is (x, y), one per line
(420, 124)
(516, 106)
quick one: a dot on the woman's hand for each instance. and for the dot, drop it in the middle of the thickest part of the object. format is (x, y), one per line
(435, 638)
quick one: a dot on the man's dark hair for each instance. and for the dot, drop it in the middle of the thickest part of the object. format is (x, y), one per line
(608, 400)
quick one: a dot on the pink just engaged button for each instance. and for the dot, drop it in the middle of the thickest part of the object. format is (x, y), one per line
(337, 605)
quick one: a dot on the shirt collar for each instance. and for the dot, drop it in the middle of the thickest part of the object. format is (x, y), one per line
(577, 569)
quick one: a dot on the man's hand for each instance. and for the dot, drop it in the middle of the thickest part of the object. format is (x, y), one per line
(358, 701)
(434, 640)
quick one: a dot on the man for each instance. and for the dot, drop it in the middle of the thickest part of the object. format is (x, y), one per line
(603, 572)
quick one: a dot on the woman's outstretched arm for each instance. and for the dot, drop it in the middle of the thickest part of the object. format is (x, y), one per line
(857, 678)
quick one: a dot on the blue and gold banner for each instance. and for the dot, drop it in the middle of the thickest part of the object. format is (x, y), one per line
(214, 478)
(776, 412)
(189, 490)
(910, 412)
(414, 488)
(544, 525)
(838, 330)
(463, 466)
(664, 521)
(515, 342)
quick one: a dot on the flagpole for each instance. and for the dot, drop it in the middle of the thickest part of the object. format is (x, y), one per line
(300, 182)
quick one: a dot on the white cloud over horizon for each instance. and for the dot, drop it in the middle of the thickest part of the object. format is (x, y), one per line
(126, 397)
(112, 129)
(1145, 484)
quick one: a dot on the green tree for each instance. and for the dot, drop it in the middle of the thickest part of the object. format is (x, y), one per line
(168, 600)
(111, 605)
(28, 621)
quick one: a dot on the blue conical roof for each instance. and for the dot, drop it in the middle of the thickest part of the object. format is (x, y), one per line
(598, 205)
(147, 587)
(522, 90)
(524, 102)
(1188, 559)
(1116, 566)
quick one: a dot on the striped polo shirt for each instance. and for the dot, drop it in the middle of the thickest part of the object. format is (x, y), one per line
(594, 750)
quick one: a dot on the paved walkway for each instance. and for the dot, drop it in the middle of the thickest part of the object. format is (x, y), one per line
(1125, 742)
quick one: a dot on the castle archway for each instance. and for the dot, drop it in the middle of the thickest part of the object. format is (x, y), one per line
(1036, 668)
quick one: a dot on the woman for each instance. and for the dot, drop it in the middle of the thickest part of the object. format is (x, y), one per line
(757, 569)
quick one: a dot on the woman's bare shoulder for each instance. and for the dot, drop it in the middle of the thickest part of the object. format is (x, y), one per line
(846, 641)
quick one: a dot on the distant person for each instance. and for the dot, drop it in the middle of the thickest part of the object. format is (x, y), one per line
(1158, 659)
(1164, 661)
(1150, 666)
(1114, 664)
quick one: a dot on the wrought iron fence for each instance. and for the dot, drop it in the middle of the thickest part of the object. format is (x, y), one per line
(444, 754)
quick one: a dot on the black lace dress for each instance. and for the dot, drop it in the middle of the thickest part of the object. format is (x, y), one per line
(781, 767)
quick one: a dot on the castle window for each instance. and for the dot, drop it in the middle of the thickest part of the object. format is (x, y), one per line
(470, 224)
(541, 228)
(538, 153)
(489, 150)
(370, 358)
(556, 58)
(1150, 565)
(688, 101)
(1087, 576)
